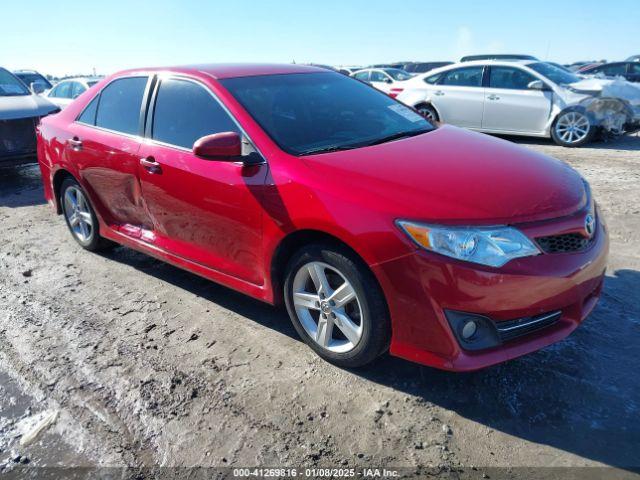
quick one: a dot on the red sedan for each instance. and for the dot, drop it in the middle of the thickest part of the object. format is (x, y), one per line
(296, 185)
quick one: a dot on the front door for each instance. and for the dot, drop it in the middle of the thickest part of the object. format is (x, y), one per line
(203, 210)
(510, 106)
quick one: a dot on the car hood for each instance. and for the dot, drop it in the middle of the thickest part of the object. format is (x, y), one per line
(24, 106)
(453, 176)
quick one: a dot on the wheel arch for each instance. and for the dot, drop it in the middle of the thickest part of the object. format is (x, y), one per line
(291, 243)
(59, 177)
(427, 103)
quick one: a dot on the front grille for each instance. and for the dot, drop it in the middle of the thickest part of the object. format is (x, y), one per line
(567, 243)
(510, 329)
(18, 137)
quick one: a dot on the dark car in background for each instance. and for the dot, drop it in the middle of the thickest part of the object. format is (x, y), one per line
(31, 78)
(497, 56)
(20, 112)
(424, 67)
(628, 70)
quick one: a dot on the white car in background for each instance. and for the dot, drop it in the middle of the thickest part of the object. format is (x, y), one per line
(389, 80)
(525, 97)
(66, 91)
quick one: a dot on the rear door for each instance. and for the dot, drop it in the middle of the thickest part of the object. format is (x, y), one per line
(203, 210)
(105, 144)
(511, 106)
(458, 96)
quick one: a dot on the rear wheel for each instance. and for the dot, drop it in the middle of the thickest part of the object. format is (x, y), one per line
(572, 128)
(80, 216)
(336, 305)
(428, 112)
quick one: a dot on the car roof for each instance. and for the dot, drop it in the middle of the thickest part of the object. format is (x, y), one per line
(81, 79)
(232, 70)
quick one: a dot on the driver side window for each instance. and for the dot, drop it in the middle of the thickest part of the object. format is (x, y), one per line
(184, 112)
(510, 78)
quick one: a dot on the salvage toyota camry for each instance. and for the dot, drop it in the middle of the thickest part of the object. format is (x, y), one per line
(378, 230)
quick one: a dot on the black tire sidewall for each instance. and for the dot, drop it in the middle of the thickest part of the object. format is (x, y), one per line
(95, 241)
(375, 327)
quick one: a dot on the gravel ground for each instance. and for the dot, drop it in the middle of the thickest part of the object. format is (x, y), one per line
(145, 364)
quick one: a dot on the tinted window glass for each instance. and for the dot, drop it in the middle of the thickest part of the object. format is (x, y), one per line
(120, 102)
(364, 76)
(185, 112)
(617, 69)
(511, 78)
(634, 68)
(77, 89)
(463, 77)
(10, 85)
(433, 79)
(63, 90)
(88, 116)
(378, 77)
(310, 113)
(398, 74)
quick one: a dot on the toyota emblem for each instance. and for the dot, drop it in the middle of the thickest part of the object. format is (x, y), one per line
(589, 225)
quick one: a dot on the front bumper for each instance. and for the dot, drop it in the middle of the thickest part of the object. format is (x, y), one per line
(419, 287)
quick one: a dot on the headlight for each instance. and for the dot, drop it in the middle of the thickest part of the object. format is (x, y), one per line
(492, 246)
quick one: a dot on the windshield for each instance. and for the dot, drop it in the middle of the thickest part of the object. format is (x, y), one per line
(553, 73)
(29, 78)
(10, 86)
(398, 74)
(318, 112)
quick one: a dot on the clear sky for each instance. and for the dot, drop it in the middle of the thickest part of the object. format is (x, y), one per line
(65, 37)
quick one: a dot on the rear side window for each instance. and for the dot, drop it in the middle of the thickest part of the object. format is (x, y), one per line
(120, 103)
(378, 77)
(463, 77)
(62, 91)
(509, 78)
(363, 76)
(433, 79)
(88, 116)
(185, 111)
(77, 89)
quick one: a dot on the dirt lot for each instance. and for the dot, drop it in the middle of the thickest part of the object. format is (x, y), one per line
(145, 364)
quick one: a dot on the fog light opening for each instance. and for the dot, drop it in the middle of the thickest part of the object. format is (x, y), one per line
(469, 330)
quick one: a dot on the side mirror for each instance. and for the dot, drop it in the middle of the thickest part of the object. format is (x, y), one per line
(537, 85)
(225, 146)
(38, 87)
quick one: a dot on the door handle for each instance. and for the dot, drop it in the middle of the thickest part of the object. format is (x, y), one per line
(438, 92)
(150, 165)
(493, 97)
(75, 143)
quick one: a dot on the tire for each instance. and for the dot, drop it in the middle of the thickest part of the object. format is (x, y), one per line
(428, 112)
(572, 128)
(353, 331)
(82, 220)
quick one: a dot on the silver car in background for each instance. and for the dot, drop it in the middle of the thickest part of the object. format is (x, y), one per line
(525, 97)
(66, 91)
(20, 112)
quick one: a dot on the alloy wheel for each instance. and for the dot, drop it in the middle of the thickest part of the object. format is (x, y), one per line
(328, 307)
(427, 113)
(572, 127)
(78, 213)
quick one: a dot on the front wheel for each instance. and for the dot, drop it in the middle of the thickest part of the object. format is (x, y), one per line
(572, 129)
(336, 305)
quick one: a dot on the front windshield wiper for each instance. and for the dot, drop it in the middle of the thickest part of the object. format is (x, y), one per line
(396, 136)
(329, 149)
